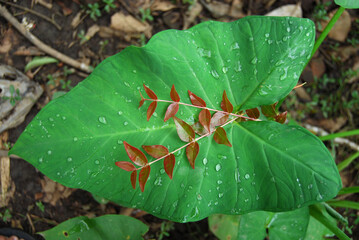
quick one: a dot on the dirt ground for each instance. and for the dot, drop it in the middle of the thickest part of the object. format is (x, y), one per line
(329, 100)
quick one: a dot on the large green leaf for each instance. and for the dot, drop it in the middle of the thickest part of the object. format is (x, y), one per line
(286, 225)
(100, 228)
(76, 139)
(348, 3)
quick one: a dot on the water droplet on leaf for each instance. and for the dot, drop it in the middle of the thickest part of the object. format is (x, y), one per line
(102, 120)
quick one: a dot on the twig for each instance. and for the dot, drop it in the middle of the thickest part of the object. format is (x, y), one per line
(30, 222)
(322, 132)
(40, 44)
(52, 21)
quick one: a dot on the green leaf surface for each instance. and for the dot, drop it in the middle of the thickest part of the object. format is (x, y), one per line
(76, 139)
(285, 225)
(348, 3)
(100, 228)
(317, 231)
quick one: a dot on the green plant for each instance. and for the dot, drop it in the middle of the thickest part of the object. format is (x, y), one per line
(146, 14)
(40, 205)
(65, 84)
(82, 36)
(166, 227)
(94, 11)
(108, 5)
(242, 68)
(320, 14)
(99, 228)
(14, 95)
(190, 2)
(51, 80)
(6, 216)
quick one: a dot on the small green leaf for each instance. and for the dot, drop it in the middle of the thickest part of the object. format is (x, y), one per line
(354, 4)
(39, 61)
(100, 228)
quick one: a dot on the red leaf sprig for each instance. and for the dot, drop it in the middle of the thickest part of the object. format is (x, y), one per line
(270, 112)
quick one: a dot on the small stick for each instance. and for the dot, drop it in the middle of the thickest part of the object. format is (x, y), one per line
(33, 12)
(40, 44)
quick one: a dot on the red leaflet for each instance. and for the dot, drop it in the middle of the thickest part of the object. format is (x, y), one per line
(192, 152)
(185, 131)
(133, 179)
(269, 110)
(205, 119)
(220, 136)
(171, 111)
(150, 93)
(151, 109)
(142, 100)
(253, 113)
(199, 129)
(219, 118)
(169, 164)
(127, 166)
(281, 117)
(142, 178)
(174, 94)
(197, 101)
(135, 154)
(226, 105)
(156, 151)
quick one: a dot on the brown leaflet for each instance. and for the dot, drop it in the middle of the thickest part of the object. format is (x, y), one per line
(127, 166)
(192, 151)
(169, 165)
(280, 118)
(220, 136)
(199, 129)
(135, 154)
(195, 100)
(143, 176)
(185, 131)
(156, 151)
(219, 118)
(142, 100)
(151, 109)
(174, 95)
(205, 119)
(269, 110)
(133, 179)
(253, 113)
(150, 93)
(226, 105)
(171, 111)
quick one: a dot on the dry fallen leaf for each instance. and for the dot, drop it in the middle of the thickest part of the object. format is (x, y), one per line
(236, 10)
(129, 24)
(290, 10)
(162, 5)
(54, 191)
(191, 14)
(217, 9)
(341, 28)
(318, 67)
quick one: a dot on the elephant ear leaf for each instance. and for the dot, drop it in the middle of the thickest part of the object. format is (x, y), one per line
(78, 138)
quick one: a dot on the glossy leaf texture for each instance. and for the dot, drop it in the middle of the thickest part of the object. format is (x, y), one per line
(169, 164)
(77, 138)
(226, 105)
(135, 154)
(354, 4)
(171, 111)
(99, 228)
(261, 225)
(220, 136)
(195, 100)
(192, 151)
(184, 131)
